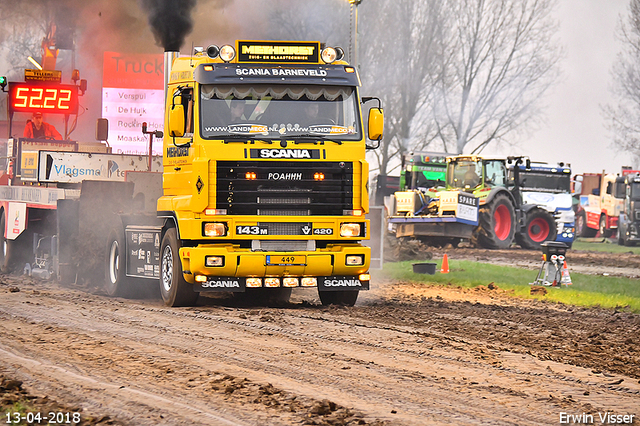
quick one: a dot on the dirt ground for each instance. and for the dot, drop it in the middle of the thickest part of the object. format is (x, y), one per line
(406, 354)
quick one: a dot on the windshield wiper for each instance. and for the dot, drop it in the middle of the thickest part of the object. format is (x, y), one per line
(315, 138)
(232, 137)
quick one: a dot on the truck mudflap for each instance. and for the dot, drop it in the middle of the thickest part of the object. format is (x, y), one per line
(239, 284)
(341, 283)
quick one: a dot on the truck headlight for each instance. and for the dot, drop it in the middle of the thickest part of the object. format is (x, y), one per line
(290, 282)
(254, 282)
(213, 261)
(309, 282)
(355, 260)
(272, 282)
(214, 229)
(350, 229)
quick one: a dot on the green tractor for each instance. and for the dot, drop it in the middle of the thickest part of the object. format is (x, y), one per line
(502, 217)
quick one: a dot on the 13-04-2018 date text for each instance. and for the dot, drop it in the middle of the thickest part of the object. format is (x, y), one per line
(51, 418)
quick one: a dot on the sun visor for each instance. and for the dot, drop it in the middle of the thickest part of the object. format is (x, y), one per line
(332, 75)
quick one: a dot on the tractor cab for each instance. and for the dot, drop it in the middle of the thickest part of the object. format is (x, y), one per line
(423, 170)
(471, 173)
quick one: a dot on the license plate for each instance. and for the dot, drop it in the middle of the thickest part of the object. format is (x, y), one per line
(287, 260)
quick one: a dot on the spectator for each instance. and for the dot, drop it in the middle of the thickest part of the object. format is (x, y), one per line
(36, 128)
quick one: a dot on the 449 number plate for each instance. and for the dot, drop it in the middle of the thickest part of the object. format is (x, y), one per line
(287, 260)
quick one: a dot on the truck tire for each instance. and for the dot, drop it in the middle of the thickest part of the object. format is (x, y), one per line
(582, 230)
(341, 298)
(497, 224)
(174, 289)
(540, 226)
(602, 227)
(116, 282)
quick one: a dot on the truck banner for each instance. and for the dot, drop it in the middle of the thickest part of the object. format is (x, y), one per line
(74, 167)
(16, 220)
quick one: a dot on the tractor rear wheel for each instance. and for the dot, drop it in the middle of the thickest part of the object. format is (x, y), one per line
(497, 224)
(540, 227)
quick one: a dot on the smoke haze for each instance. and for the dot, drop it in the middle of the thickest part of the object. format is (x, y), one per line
(151, 26)
(170, 21)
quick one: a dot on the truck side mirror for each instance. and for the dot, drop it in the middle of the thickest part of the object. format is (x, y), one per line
(176, 121)
(376, 123)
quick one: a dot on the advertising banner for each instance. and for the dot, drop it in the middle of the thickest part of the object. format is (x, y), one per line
(133, 93)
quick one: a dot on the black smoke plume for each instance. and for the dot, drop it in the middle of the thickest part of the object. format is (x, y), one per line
(170, 21)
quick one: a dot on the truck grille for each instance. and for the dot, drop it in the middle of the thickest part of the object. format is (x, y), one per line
(281, 187)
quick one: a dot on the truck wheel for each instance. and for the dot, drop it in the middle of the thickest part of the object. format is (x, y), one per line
(540, 227)
(116, 282)
(341, 298)
(602, 228)
(581, 227)
(174, 289)
(496, 226)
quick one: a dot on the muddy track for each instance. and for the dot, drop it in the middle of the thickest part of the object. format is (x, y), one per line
(405, 354)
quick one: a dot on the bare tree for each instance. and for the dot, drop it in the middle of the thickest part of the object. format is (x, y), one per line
(398, 43)
(498, 58)
(320, 20)
(22, 27)
(624, 116)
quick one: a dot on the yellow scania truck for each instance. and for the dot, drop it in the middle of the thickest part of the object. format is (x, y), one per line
(265, 183)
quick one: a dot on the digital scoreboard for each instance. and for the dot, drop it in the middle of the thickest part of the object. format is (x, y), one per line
(45, 98)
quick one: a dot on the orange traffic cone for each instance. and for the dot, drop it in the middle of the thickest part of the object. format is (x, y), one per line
(445, 265)
(566, 278)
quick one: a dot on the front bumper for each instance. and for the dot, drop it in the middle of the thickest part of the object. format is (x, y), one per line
(239, 264)
(566, 233)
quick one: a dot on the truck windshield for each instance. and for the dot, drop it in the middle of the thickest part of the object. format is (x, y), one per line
(557, 183)
(277, 111)
(635, 190)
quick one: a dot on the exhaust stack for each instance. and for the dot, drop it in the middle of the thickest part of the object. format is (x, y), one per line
(169, 57)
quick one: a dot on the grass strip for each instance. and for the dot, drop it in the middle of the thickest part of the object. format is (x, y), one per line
(586, 290)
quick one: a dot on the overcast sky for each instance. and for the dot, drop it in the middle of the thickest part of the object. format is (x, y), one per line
(574, 130)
